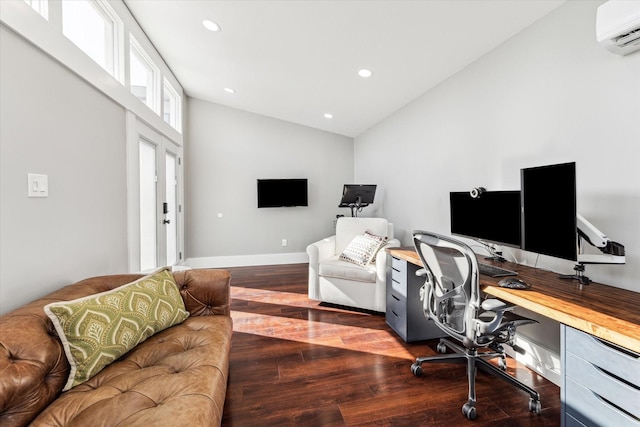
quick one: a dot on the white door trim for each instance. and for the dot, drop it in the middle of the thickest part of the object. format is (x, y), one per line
(136, 130)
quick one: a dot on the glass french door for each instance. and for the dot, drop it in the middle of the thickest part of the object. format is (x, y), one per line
(147, 205)
(170, 207)
(154, 199)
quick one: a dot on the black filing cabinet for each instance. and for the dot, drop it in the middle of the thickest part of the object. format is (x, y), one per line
(404, 308)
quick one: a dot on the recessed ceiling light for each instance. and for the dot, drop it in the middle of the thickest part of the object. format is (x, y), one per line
(328, 116)
(365, 73)
(210, 25)
(229, 90)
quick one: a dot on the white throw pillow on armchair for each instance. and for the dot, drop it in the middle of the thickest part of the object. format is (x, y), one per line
(363, 249)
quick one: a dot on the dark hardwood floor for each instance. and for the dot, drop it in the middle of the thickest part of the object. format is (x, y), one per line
(297, 363)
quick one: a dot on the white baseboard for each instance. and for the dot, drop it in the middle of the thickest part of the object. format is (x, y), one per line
(247, 260)
(538, 358)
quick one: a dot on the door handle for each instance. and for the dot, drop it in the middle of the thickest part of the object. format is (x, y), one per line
(166, 221)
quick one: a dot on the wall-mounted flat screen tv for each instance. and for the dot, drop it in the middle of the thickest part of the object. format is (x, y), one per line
(276, 193)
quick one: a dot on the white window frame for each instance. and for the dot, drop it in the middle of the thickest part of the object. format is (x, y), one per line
(175, 116)
(115, 43)
(154, 95)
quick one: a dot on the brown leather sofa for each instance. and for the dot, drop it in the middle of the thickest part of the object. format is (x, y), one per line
(177, 377)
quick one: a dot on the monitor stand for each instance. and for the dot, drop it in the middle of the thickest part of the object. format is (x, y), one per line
(579, 269)
(495, 255)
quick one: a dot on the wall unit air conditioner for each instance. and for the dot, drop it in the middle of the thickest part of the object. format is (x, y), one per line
(618, 26)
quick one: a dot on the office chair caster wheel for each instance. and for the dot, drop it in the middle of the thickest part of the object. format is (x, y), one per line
(469, 411)
(535, 406)
(441, 348)
(416, 370)
(502, 363)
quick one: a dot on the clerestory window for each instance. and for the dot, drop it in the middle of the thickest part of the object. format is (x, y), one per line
(95, 28)
(172, 106)
(144, 76)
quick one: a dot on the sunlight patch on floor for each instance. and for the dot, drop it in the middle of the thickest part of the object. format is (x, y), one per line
(316, 333)
(275, 297)
(313, 330)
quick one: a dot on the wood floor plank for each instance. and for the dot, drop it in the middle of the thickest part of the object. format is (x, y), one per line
(295, 362)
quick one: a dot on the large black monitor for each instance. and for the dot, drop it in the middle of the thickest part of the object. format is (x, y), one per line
(493, 216)
(549, 210)
(357, 194)
(274, 193)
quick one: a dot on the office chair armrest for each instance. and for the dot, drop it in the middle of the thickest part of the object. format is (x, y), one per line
(500, 320)
(496, 305)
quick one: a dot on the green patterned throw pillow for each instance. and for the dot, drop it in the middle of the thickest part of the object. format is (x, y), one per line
(98, 329)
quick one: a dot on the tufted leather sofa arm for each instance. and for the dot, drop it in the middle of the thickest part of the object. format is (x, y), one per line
(34, 368)
(205, 292)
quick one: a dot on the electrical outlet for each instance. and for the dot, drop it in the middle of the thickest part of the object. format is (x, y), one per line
(284, 242)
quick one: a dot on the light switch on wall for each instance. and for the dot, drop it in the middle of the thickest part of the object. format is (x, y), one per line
(38, 185)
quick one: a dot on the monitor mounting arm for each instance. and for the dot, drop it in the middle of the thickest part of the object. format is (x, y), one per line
(612, 252)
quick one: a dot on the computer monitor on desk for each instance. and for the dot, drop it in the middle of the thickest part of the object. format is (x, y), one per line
(551, 225)
(549, 210)
(489, 217)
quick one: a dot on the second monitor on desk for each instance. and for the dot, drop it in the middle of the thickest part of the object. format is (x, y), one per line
(488, 217)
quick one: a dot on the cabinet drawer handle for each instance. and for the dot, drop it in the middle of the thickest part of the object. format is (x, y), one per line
(395, 298)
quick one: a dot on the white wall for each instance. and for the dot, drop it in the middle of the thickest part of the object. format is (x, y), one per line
(54, 123)
(550, 94)
(228, 151)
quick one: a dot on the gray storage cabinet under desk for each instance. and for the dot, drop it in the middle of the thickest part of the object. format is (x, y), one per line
(404, 309)
(600, 382)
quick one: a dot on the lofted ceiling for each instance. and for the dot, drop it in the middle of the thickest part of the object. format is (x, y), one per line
(298, 60)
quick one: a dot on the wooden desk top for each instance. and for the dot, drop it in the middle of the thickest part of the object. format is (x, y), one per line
(610, 313)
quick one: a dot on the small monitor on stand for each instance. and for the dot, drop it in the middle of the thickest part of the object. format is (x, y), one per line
(489, 217)
(357, 196)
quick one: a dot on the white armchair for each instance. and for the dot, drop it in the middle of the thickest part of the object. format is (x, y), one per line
(340, 282)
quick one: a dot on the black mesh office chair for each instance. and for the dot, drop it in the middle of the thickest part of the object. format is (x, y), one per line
(452, 299)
